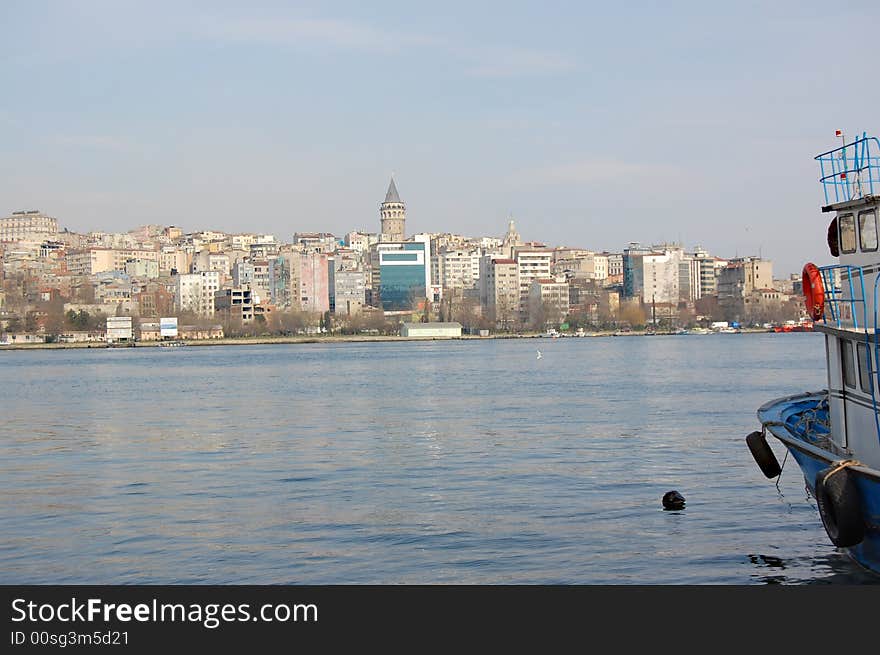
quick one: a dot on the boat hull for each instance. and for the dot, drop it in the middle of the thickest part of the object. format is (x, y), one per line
(781, 419)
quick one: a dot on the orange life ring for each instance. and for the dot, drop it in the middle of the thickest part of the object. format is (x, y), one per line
(814, 291)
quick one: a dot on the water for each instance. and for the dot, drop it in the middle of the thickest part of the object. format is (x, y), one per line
(423, 462)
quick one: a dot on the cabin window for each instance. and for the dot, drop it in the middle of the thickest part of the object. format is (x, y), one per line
(847, 233)
(868, 230)
(846, 360)
(864, 367)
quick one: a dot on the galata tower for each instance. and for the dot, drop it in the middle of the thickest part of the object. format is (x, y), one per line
(393, 213)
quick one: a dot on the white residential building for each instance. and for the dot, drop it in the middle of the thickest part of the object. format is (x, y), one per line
(195, 292)
(531, 264)
(459, 269)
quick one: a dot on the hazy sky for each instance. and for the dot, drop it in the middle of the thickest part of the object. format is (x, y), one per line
(593, 124)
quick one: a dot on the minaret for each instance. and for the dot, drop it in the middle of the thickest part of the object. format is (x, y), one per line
(393, 213)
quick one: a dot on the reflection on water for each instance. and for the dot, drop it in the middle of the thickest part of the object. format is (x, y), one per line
(432, 462)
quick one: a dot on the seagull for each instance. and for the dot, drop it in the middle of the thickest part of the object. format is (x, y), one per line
(539, 354)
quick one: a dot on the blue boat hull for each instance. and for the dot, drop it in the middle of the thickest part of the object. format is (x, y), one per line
(781, 418)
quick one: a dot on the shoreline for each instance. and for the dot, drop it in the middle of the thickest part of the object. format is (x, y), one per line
(361, 338)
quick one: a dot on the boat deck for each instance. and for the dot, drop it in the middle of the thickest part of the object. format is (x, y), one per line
(802, 422)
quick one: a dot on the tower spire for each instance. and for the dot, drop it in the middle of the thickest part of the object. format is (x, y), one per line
(392, 195)
(393, 213)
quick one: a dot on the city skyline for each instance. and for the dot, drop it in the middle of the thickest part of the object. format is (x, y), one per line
(592, 126)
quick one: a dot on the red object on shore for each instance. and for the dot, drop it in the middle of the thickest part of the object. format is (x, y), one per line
(814, 291)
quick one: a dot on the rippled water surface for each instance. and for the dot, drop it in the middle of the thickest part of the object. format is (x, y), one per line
(422, 462)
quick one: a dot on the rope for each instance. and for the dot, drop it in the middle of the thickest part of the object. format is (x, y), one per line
(781, 469)
(841, 465)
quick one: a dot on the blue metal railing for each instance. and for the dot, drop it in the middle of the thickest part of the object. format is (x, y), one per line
(843, 309)
(851, 171)
(836, 303)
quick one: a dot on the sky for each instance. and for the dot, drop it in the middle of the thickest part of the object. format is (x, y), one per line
(592, 125)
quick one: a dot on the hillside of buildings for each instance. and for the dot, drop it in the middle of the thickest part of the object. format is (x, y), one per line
(62, 286)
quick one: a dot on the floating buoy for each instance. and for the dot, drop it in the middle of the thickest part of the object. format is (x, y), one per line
(673, 500)
(764, 457)
(839, 506)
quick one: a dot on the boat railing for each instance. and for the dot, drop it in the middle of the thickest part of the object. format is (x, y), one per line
(844, 308)
(851, 171)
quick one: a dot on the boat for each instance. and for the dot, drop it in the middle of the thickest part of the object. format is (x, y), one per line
(834, 433)
(171, 344)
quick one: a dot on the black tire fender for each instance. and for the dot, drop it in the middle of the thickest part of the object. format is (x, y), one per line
(764, 457)
(840, 506)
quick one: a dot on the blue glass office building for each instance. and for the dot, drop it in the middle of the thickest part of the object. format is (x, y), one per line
(403, 278)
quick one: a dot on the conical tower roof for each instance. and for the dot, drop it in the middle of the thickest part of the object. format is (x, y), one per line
(392, 195)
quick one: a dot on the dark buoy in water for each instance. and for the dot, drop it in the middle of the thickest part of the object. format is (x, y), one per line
(673, 500)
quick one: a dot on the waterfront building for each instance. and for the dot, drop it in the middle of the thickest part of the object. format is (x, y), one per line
(196, 332)
(531, 263)
(393, 214)
(84, 336)
(119, 329)
(347, 283)
(548, 302)
(296, 279)
(654, 274)
(282, 286)
(459, 270)
(433, 330)
(710, 268)
(689, 284)
(150, 330)
(260, 281)
(195, 292)
(580, 263)
(499, 290)
(662, 275)
(615, 266)
(153, 300)
(314, 292)
(234, 304)
(633, 271)
(739, 280)
(404, 274)
(28, 225)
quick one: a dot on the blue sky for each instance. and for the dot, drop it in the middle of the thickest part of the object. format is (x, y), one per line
(593, 124)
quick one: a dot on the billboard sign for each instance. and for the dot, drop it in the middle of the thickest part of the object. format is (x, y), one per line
(168, 327)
